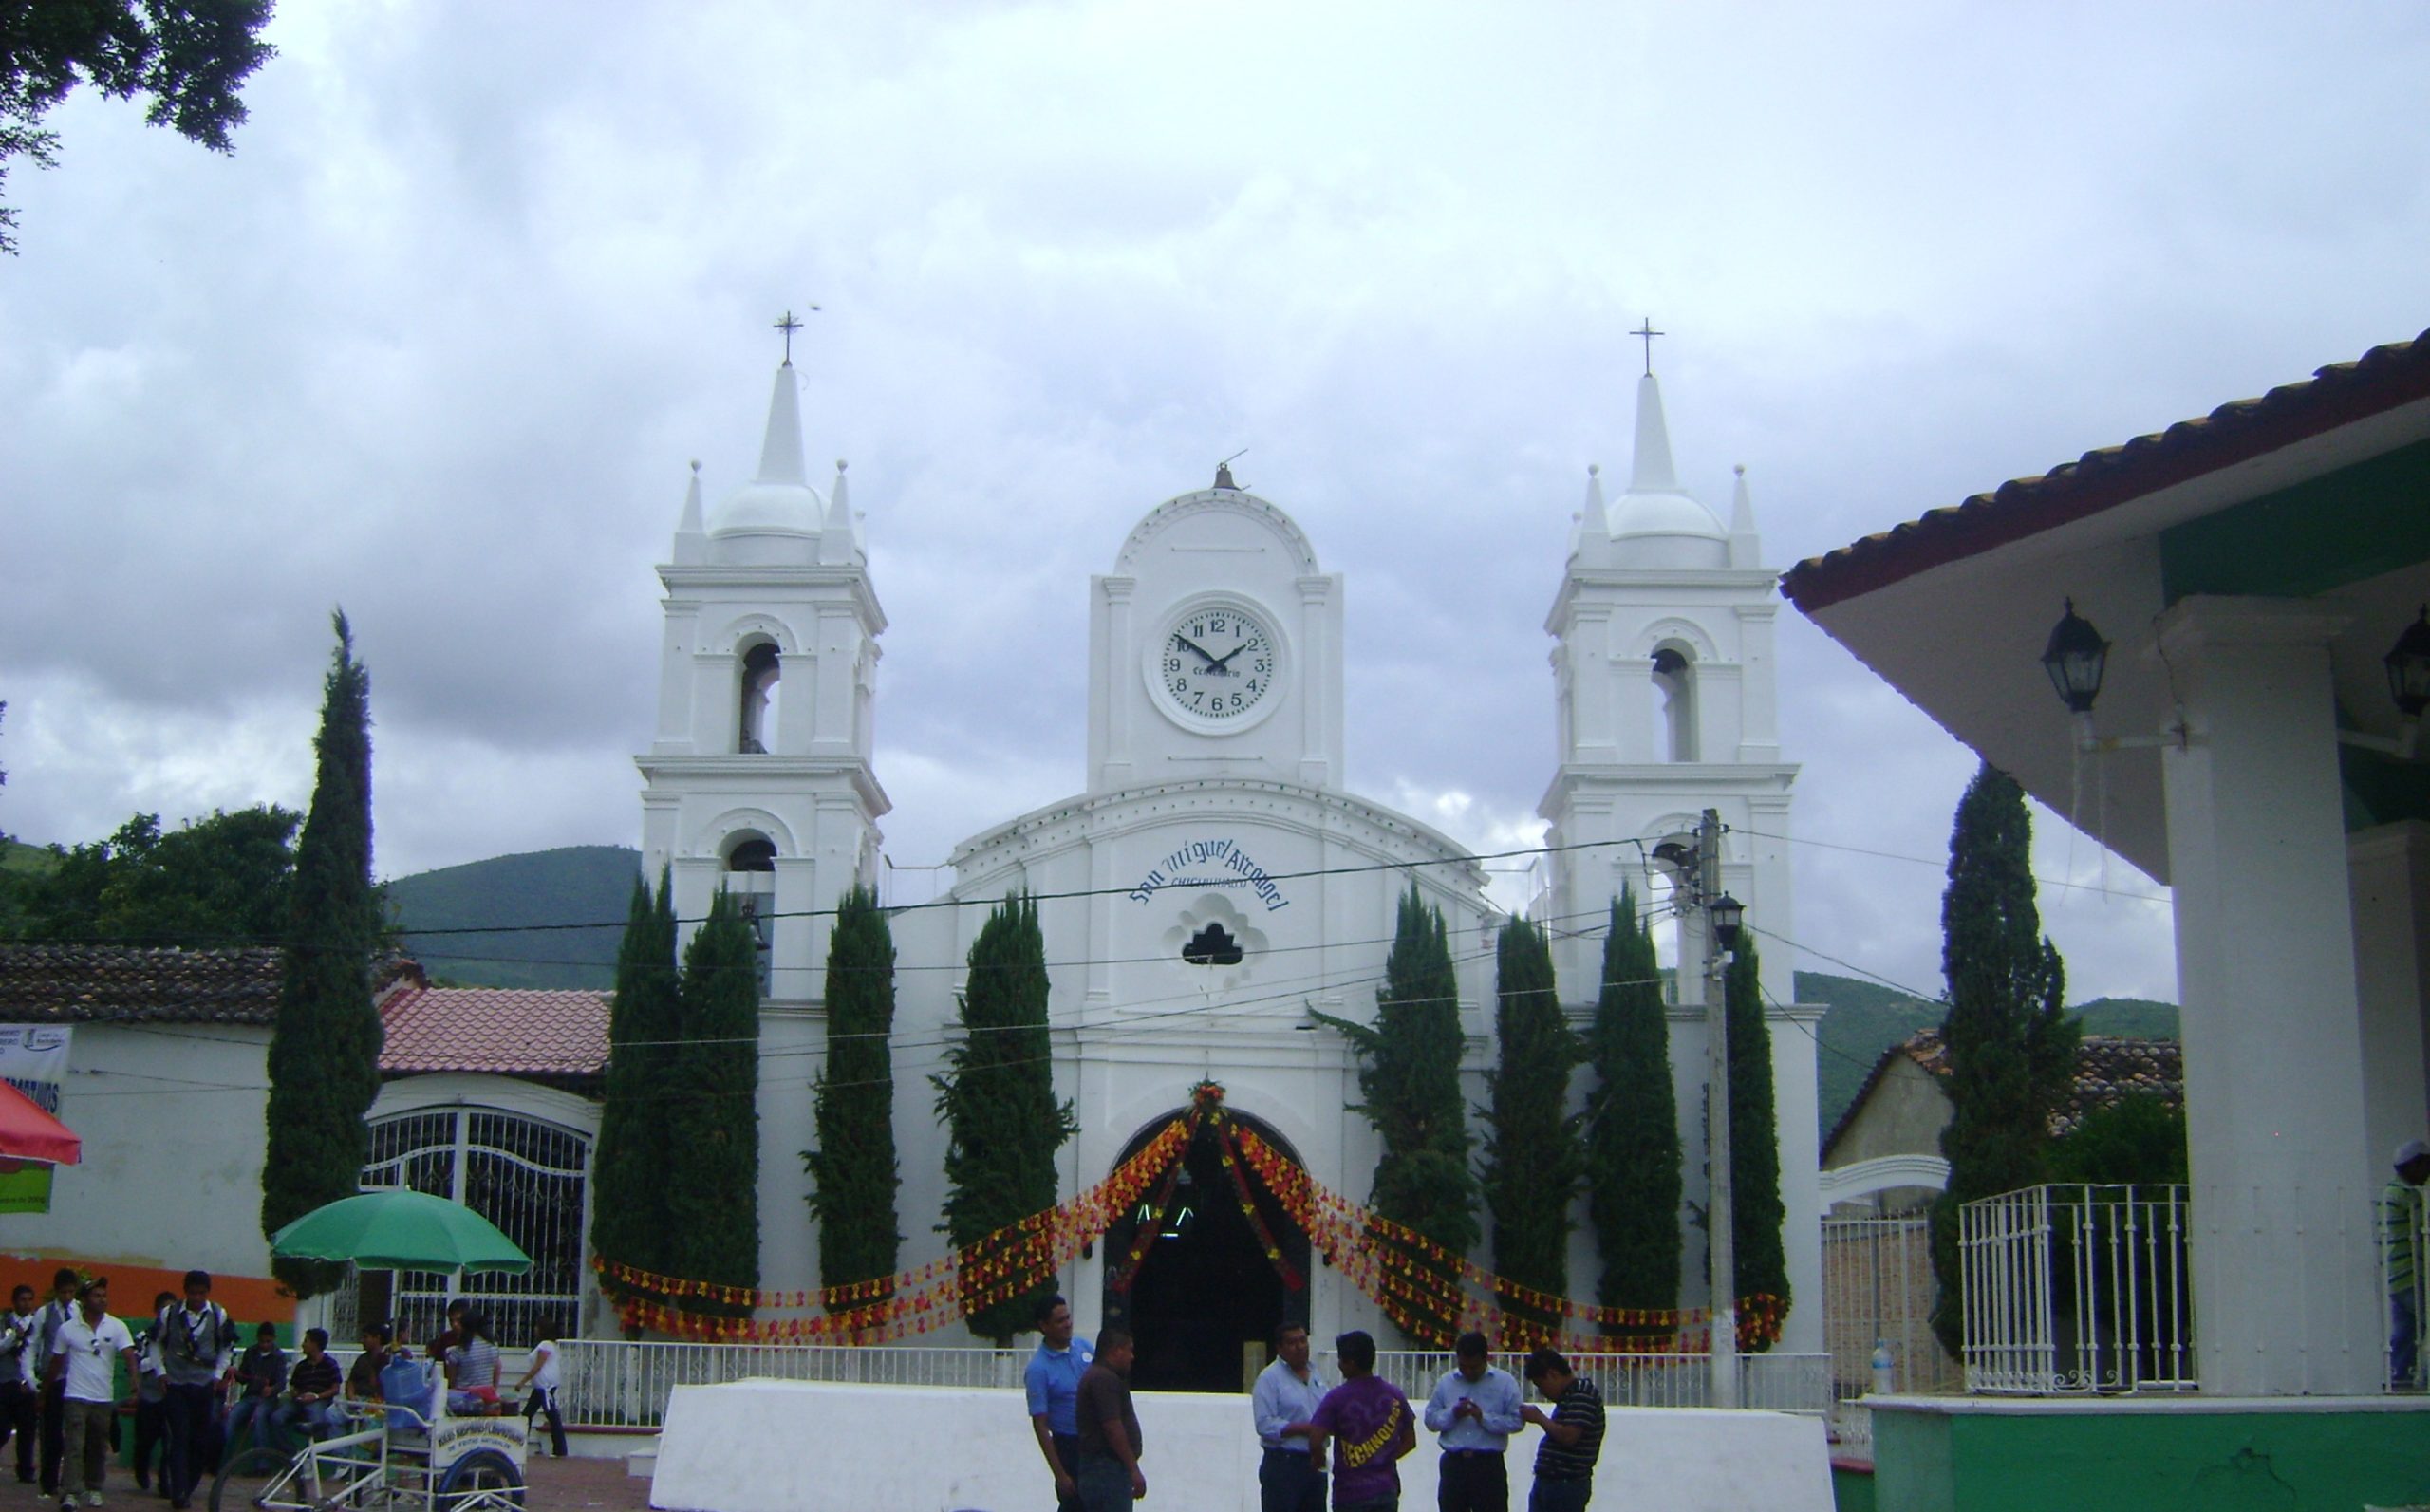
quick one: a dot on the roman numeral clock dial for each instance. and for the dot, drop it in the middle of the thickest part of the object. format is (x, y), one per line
(1215, 668)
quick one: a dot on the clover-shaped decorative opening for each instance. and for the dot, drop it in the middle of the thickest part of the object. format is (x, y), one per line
(1212, 946)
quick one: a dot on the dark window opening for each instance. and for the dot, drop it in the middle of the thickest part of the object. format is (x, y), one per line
(1212, 946)
(752, 855)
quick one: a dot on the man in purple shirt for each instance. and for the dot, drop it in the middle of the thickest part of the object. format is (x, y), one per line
(1371, 1426)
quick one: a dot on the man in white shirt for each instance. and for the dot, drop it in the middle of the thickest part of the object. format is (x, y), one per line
(83, 1357)
(1281, 1402)
(197, 1346)
(1474, 1410)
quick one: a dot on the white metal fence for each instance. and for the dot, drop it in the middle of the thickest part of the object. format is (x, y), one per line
(1878, 1290)
(2077, 1289)
(609, 1383)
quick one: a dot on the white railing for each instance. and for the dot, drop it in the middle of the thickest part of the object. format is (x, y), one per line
(2077, 1289)
(610, 1383)
(1878, 1290)
(2403, 1230)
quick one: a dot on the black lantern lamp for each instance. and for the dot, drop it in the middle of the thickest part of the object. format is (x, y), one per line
(1727, 914)
(2408, 665)
(2075, 659)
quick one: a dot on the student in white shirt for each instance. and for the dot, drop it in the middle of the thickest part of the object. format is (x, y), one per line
(539, 1383)
(85, 1354)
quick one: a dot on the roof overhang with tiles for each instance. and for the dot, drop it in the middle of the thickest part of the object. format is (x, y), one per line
(2318, 490)
(504, 1031)
(102, 984)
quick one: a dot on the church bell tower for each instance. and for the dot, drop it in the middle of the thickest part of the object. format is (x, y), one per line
(759, 780)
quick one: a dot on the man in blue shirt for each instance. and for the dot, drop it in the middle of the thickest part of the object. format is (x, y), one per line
(1281, 1403)
(1052, 1383)
(1474, 1410)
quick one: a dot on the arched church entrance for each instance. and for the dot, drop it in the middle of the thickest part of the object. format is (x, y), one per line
(1203, 1299)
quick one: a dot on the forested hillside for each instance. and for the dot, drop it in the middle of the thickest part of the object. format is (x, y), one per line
(502, 922)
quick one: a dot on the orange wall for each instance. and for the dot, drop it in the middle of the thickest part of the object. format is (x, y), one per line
(248, 1298)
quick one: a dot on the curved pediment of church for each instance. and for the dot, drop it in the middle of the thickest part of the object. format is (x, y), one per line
(1226, 501)
(1175, 828)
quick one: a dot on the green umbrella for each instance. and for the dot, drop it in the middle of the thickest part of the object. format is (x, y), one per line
(400, 1231)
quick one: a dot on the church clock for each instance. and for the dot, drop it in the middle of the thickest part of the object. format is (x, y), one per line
(1215, 668)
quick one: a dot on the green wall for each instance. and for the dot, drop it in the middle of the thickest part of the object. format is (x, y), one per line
(2150, 1462)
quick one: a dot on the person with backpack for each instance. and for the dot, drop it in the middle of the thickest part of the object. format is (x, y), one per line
(20, 1395)
(48, 1323)
(151, 1397)
(197, 1346)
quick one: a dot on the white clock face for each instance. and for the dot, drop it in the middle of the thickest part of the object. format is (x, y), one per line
(1217, 663)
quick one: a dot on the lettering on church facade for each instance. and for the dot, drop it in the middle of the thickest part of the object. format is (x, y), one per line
(1175, 871)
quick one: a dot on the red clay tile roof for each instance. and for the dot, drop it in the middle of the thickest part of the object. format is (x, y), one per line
(514, 1032)
(137, 984)
(2108, 1068)
(2381, 380)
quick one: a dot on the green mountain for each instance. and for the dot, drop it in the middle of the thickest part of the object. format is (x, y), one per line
(544, 919)
(1866, 1019)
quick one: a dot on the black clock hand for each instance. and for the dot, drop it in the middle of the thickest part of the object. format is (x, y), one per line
(1217, 665)
(1204, 655)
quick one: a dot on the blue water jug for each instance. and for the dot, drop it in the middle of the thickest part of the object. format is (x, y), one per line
(407, 1384)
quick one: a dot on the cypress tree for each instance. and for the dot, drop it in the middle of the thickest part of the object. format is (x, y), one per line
(713, 1175)
(324, 1057)
(1409, 1076)
(853, 1167)
(633, 1160)
(1632, 1161)
(2012, 1047)
(997, 1099)
(1532, 1154)
(1756, 1212)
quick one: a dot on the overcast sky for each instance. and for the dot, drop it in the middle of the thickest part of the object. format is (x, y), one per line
(439, 342)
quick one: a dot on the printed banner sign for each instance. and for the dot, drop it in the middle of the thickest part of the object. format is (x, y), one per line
(33, 1059)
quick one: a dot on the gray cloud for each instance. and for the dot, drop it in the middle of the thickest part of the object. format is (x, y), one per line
(439, 342)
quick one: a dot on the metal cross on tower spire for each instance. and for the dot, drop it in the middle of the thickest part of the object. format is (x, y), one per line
(1648, 334)
(787, 324)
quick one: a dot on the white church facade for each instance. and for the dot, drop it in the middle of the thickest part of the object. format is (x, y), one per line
(1216, 879)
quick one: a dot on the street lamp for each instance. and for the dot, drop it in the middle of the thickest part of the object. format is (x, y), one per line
(1726, 913)
(2075, 659)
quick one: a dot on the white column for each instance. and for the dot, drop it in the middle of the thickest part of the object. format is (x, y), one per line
(2390, 867)
(2284, 1280)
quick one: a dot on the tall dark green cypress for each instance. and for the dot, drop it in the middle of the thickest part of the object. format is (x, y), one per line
(2011, 1046)
(1756, 1212)
(853, 1168)
(633, 1159)
(1532, 1151)
(997, 1099)
(325, 1052)
(1409, 1076)
(713, 1203)
(1632, 1161)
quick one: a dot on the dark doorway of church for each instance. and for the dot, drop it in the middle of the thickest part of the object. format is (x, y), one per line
(1204, 1301)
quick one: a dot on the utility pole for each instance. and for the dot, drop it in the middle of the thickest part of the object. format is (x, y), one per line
(1720, 1246)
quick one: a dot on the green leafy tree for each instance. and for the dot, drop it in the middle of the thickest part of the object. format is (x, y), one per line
(188, 57)
(324, 1052)
(997, 1099)
(1409, 1076)
(2137, 1140)
(713, 1207)
(214, 882)
(853, 1168)
(1632, 1161)
(1533, 1156)
(631, 1224)
(1756, 1211)
(2012, 1047)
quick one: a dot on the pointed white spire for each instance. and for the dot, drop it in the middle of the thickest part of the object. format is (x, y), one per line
(1742, 508)
(1652, 472)
(1593, 508)
(691, 544)
(839, 539)
(690, 523)
(780, 453)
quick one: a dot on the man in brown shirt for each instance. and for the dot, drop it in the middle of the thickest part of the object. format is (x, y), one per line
(1109, 1439)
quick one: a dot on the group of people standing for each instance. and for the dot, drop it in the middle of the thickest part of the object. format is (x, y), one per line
(1082, 1413)
(197, 1393)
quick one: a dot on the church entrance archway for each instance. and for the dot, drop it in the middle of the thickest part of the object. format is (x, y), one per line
(1204, 1299)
